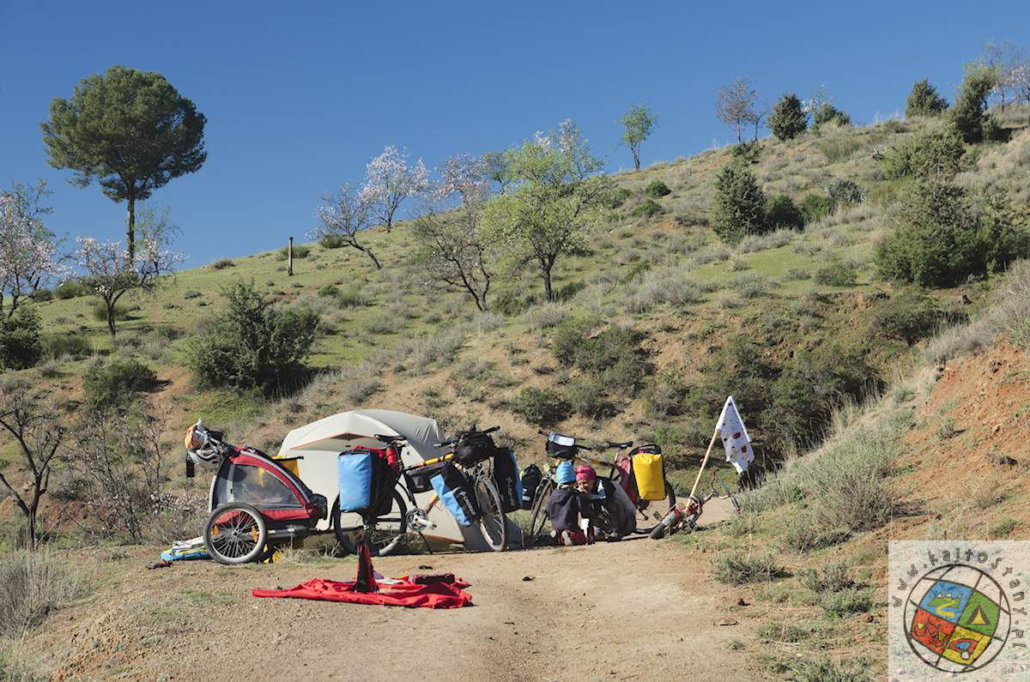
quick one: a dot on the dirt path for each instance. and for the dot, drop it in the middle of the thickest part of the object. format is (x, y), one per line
(635, 609)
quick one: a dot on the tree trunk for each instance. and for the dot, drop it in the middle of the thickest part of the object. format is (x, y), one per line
(375, 261)
(130, 232)
(111, 305)
(636, 159)
(32, 529)
(548, 289)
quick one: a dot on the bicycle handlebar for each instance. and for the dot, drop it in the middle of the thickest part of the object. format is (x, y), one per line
(465, 434)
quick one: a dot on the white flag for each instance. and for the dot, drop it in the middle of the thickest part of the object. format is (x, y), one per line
(734, 437)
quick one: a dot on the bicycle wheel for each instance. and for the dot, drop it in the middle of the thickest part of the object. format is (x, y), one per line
(492, 521)
(539, 518)
(382, 534)
(235, 534)
(651, 512)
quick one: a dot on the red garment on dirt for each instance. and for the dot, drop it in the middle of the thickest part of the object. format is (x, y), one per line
(435, 595)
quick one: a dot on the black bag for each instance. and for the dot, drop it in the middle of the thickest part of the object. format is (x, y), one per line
(509, 484)
(456, 494)
(475, 448)
(562, 447)
(531, 478)
(419, 479)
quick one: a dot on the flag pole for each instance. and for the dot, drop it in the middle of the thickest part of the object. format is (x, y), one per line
(704, 462)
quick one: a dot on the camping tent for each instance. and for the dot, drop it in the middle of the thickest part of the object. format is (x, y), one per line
(318, 444)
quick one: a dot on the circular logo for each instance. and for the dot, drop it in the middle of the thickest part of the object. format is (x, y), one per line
(957, 618)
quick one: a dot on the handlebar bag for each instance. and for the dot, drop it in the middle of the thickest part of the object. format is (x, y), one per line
(560, 446)
(475, 448)
(531, 478)
(365, 481)
(456, 494)
(648, 475)
(419, 479)
(508, 481)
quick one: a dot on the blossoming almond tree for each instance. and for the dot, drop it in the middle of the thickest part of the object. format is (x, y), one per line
(389, 181)
(110, 273)
(28, 250)
(344, 216)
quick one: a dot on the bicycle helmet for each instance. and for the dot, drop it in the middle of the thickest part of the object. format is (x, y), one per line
(200, 448)
(565, 474)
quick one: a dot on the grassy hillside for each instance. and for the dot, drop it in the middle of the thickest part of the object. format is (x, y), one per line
(713, 319)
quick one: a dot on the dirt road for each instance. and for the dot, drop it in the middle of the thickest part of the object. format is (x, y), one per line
(635, 609)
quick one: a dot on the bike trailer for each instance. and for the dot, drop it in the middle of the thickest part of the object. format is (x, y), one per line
(531, 478)
(561, 446)
(456, 494)
(365, 481)
(420, 479)
(509, 484)
(648, 472)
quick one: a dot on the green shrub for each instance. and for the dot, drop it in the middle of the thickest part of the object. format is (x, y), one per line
(844, 193)
(806, 534)
(117, 383)
(541, 406)
(615, 355)
(329, 291)
(57, 346)
(931, 155)
(942, 239)
(20, 346)
(332, 241)
(588, 396)
(648, 209)
(738, 208)
(664, 396)
(837, 275)
(787, 119)
(846, 602)
(70, 289)
(222, 264)
(816, 207)
(835, 577)
(782, 212)
(353, 297)
(826, 670)
(657, 189)
(100, 312)
(748, 152)
(924, 101)
(190, 294)
(741, 569)
(909, 316)
(42, 295)
(616, 198)
(968, 114)
(299, 251)
(827, 113)
(252, 344)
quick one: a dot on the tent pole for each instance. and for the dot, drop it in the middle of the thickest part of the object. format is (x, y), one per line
(704, 462)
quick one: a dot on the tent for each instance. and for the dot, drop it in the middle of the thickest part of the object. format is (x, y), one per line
(317, 445)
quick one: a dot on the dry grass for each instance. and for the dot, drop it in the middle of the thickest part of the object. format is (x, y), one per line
(32, 585)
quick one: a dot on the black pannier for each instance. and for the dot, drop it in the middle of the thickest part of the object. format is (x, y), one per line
(419, 478)
(509, 484)
(560, 446)
(531, 478)
(475, 448)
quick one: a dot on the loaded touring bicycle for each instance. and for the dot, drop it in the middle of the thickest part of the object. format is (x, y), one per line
(256, 503)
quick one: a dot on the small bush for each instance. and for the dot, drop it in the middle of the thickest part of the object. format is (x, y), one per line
(748, 152)
(924, 101)
(353, 297)
(647, 209)
(116, 384)
(936, 154)
(783, 632)
(826, 670)
(740, 569)
(787, 119)
(33, 585)
(837, 275)
(738, 208)
(57, 346)
(20, 346)
(541, 406)
(329, 291)
(844, 193)
(100, 312)
(70, 289)
(614, 355)
(332, 241)
(588, 396)
(252, 345)
(782, 212)
(827, 113)
(42, 296)
(806, 534)
(909, 317)
(969, 112)
(664, 396)
(657, 189)
(834, 577)
(750, 285)
(222, 264)
(847, 602)
(190, 294)
(299, 251)
(816, 207)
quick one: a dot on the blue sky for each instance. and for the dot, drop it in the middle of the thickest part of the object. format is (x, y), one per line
(299, 96)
